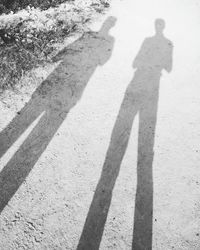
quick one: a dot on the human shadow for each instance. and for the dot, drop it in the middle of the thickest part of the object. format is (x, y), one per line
(140, 97)
(50, 103)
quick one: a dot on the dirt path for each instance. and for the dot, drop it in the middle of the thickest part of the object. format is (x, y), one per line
(105, 154)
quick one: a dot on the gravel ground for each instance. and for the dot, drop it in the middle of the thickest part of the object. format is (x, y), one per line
(104, 153)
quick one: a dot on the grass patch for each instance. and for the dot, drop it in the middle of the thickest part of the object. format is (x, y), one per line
(28, 37)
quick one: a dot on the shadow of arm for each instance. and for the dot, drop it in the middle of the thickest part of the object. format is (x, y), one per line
(169, 58)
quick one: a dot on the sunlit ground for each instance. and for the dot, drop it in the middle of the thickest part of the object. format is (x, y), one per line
(57, 193)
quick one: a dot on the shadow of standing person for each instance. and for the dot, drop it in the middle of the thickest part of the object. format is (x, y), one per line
(141, 97)
(50, 103)
(154, 56)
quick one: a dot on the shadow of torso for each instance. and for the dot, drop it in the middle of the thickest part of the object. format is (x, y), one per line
(64, 87)
(153, 57)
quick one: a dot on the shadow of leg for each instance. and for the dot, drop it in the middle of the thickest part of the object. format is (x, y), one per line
(18, 168)
(142, 235)
(20, 123)
(98, 212)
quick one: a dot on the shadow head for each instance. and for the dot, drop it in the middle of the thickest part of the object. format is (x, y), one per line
(159, 25)
(108, 24)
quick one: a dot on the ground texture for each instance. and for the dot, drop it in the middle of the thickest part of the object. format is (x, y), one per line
(104, 152)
